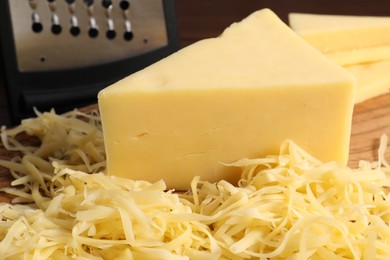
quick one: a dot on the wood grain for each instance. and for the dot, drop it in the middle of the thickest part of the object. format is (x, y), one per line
(371, 119)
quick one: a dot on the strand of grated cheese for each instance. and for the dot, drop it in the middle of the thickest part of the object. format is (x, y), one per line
(286, 206)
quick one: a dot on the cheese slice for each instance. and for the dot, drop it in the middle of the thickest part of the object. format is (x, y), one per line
(373, 79)
(226, 98)
(331, 33)
(358, 43)
(359, 56)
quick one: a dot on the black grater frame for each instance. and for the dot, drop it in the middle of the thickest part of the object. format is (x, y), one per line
(67, 89)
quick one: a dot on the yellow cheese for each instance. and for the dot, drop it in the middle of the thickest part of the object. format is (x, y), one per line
(360, 44)
(235, 96)
(330, 33)
(373, 79)
(358, 56)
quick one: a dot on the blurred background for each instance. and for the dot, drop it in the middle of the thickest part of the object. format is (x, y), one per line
(60, 53)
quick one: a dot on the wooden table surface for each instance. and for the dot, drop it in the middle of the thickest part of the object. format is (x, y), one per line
(371, 119)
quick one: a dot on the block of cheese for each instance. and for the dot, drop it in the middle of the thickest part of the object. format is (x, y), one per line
(330, 33)
(373, 79)
(236, 96)
(359, 56)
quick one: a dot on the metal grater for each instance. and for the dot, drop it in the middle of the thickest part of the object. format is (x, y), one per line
(60, 53)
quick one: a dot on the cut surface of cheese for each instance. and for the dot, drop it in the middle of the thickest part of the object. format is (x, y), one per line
(221, 99)
(373, 79)
(360, 56)
(330, 33)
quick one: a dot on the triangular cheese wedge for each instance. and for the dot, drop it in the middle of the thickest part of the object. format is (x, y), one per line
(331, 33)
(223, 99)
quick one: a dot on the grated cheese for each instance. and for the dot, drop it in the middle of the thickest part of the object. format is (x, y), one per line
(286, 206)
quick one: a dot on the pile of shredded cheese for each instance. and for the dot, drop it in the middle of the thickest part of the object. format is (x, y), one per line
(74, 141)
(286, 206)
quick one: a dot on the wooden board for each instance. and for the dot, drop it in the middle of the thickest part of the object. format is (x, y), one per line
(371, 119)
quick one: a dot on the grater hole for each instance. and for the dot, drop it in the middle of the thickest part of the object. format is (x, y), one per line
(106, 3)
(74, 30)
(124, 5)
(37, 27)
(93, 32)
(88, 2)
(56, 29)
(111, 34)
(128, 36)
